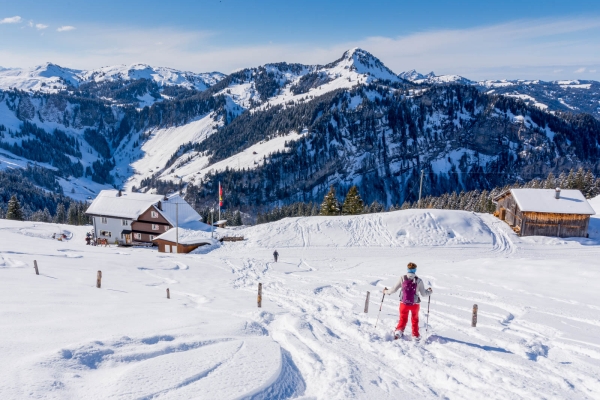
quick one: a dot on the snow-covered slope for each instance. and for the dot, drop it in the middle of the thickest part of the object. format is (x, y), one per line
(163, 143)
(536, 336)
(395, 229)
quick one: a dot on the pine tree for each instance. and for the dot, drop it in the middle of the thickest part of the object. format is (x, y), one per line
(14, 211)
(72, 214)
(237, 219)
(60, 215)
(375, 207)
(570, 180)
(330, 205)
(353, 204)
(561, 182)
(46, 217)
(550, 182)
(588, 185)
(578, 180)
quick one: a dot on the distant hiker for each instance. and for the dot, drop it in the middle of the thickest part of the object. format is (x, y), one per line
(410, 286)
(275, 255)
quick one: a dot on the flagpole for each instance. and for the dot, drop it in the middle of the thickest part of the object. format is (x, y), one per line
(220, 200)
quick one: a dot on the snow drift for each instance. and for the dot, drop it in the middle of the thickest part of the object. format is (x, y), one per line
(395, 229)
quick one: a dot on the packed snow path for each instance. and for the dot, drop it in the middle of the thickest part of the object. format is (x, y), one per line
(537, 335)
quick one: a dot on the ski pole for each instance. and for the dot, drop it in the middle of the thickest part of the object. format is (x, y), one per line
(381, 305)
(427, 323)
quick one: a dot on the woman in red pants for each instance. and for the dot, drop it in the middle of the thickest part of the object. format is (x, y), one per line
(411, 286)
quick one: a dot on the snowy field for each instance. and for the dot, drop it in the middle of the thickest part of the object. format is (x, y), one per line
(538, 335)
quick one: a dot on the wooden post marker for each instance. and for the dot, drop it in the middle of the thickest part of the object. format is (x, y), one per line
(367, 302)
(99, 280)
(474, 319)
(259, 295)
(168, 294)
(37, 271)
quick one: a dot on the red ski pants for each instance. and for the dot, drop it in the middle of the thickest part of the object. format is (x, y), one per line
(414, 311)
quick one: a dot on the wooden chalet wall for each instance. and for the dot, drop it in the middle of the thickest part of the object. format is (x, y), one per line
(509, 211)
(540, 224)
(143, 226)
(560, 225)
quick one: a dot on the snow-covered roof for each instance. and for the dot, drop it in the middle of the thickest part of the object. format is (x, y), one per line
(129, 205)
(185, 214)
(543, 200)
(189, 236)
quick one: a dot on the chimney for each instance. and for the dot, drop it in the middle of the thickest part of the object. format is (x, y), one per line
(165, 198)
(120, 193)
(159, 206)
(557, 194)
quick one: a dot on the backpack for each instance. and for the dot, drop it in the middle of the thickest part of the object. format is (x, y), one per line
(409, 290)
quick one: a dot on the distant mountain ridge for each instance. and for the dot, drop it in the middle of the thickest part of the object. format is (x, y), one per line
(51, 78)
(560, 95)
(284, 132)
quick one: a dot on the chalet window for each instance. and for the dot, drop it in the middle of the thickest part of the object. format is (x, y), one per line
(151, 237)
(153, 214)
(154, 227)
(105, 233)
(166, 228)
(124, 222)
(137, 236)
(103, 220)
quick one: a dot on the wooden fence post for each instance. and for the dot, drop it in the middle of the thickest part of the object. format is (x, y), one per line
(367, 302)
(259, 295)
(37, 271)
(99, 280)
(474, 319)
(168, 294)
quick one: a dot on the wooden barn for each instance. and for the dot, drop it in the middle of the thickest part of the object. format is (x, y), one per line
(183, 240)
(545, 212)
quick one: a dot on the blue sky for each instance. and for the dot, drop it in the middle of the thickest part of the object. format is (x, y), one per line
(478, 39)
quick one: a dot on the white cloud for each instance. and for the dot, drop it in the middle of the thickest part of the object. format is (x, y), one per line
(593, 71)
(65, 28)
(580, 70)
(40, 26)
(11, 20)
(527, 49)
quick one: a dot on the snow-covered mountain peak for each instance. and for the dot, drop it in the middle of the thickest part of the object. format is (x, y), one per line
(411, 75)
(432, 78)
(47, 77)
(163, 76)
(50, 70)
(365, 63)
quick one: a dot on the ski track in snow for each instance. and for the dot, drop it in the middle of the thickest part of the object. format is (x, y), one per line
(536, 337)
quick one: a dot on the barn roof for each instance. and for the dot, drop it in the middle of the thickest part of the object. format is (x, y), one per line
(543, 200)
(184, 212)
(200, 233)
